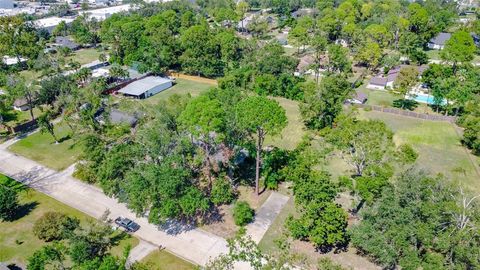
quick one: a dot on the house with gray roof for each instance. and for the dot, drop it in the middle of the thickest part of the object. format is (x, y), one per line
(66, 42)
(438, 42)
(385, 81)
(146, 87)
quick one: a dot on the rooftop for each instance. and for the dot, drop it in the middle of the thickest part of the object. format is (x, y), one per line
(441, 38)
(51, 21)
(139, 87)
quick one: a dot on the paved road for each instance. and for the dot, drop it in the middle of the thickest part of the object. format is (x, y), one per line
(191, 244)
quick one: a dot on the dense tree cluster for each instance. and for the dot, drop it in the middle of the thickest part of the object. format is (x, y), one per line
(183, 161)
(420, 222)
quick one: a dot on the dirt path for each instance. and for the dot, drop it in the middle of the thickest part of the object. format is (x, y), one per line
(194, 78)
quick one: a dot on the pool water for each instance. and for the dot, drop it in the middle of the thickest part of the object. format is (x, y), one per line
(428, 99)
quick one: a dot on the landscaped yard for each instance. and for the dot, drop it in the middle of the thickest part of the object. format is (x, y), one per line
(163, 260)
(42, 148)
(438, 146)
(17, 241)
(14, 117)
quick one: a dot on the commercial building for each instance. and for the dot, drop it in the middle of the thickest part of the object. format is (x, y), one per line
(102, 14)
(51, 22)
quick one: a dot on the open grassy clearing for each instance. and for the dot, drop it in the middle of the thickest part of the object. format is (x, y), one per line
(17, 241)
(84, 56)
(295, 130)
(42, 148)
(438, 146)
(163, 260)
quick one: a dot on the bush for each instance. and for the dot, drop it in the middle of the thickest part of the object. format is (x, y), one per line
(222, 192)
(242, 213)
(407, 153)
(54, 226)
(8, 202)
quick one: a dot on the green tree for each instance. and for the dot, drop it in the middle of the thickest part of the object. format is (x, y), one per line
(18, 89)
(8, 202)
(49, 256)
(18, 38)
(299, 37)
(323, 103)
(54, 226)
(260, 116)
(369, 55)
(44, 121)
(406, 79)
(460, 48)
(338, 59)
(362, 143)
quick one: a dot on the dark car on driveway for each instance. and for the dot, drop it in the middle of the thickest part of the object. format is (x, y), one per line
(127, 224)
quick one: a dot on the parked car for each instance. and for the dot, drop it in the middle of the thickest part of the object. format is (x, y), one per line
(127, 224)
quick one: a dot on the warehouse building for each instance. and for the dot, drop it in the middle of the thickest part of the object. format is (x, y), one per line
(146, 87)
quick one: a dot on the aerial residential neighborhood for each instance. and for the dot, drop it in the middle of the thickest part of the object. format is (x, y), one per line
(239, 134)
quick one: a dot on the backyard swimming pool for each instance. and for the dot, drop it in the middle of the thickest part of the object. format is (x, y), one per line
(422, 98)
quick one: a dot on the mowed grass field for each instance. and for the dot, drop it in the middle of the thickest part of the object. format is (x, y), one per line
(41, 147)
(163, 260)
(438, 145)
(17, 241)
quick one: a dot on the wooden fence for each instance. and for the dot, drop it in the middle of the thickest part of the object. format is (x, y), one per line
(425, 116)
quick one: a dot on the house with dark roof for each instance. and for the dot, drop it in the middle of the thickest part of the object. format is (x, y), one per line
(358, 98)
(21, 104)
(66, 42)
(385, 81)
(438, 42)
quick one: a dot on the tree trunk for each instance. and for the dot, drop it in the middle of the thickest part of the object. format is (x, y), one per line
(257, 166)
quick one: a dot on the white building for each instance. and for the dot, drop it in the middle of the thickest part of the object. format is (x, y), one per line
(146, 87)
(9, 61)
(6, 4)
(51, 22)
(104, 13)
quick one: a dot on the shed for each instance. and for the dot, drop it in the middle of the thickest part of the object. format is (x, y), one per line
(359, 98)
(146, 87)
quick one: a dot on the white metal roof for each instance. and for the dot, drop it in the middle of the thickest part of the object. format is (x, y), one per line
(51, 21)
(141, 86)
(103, 13)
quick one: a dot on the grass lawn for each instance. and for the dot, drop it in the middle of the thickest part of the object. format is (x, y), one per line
(438, 146)
(17, 241)
(378, 97)
(163, 260)
(433, 54)
(84, 56)
(295, 130)
(42, 148)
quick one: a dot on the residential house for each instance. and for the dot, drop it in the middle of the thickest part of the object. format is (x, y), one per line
(65, 42)
(21, 104)
(383, 82)
(438, 42)
(146, 87)
(359, 98)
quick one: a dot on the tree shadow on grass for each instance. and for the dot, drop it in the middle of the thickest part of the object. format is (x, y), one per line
(13, 267)
(64, 138)
(23, 210)
(406, 104)
(115, 240)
